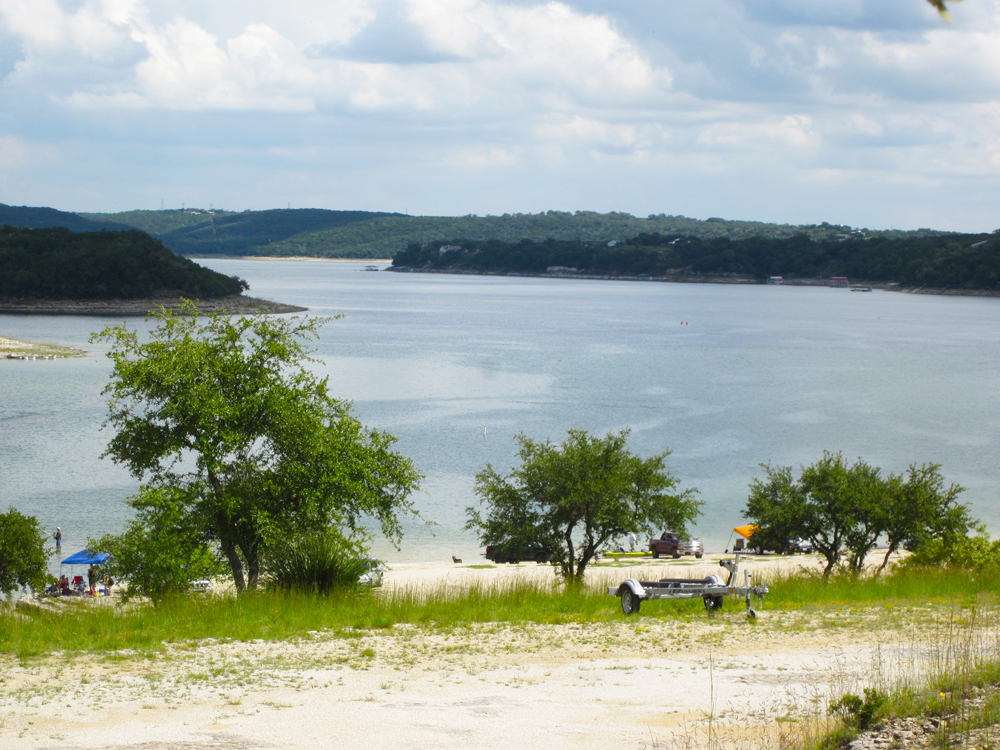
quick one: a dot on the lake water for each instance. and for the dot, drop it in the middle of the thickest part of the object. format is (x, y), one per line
(727, 377)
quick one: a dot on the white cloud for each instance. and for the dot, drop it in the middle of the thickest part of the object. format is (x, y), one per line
(592, 101)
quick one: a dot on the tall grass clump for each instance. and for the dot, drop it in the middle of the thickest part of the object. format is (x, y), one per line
(317, 563)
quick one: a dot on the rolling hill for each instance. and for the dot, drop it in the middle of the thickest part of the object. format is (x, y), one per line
(365, 234)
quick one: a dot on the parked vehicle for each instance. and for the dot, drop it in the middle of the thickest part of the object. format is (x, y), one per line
(798, 545)
(669, 543)
(692, 547)
(372, 576)
(515, 553)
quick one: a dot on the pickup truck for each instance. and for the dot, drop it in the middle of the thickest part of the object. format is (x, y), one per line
(668, 544)
(672, 544)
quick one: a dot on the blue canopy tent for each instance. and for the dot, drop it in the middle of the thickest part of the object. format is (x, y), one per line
(86, 557)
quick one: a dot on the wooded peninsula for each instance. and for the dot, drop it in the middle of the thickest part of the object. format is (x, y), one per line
(59, 264)
(946, 261)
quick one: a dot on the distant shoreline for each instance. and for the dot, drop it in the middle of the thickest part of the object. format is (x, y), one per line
(235, 305)
(369, 261)
(885, 286)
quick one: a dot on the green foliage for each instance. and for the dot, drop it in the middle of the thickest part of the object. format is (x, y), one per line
(60, 264)
(572, 498)
(246, 233)
(844, 509)
(975, 553)
(223, 413)
(161, 222)
(316, 563)
(362, 234)
(938, 261)
(900, 586)
(162, 550)
(32, 217)
(857, 713)
(23, 556)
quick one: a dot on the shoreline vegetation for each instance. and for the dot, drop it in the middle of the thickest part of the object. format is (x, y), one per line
(237, 304)
(963, 263)
(59, 272)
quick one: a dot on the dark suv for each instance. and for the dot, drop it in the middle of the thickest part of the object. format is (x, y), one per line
(515, 553)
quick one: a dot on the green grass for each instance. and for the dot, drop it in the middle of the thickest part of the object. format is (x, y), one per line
(277, 616)
(901, 585)
(280, 616)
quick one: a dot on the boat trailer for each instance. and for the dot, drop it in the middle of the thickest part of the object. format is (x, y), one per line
(710, 588)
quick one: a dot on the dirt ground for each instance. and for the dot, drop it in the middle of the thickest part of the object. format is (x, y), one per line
(636, 683)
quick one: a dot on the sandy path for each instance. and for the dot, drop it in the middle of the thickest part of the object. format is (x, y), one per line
(637, 683)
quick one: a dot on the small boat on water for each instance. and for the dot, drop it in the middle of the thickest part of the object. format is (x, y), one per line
(861, 288)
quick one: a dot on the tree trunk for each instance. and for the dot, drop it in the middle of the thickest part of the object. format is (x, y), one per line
(229, 550)
(253, 567)
(885, 561)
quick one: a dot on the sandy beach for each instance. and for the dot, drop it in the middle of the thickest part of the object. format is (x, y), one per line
(636, 683)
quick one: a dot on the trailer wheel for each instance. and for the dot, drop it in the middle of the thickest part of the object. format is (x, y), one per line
(656, 553)
(630, 602)
(751, 614)
(713, 603)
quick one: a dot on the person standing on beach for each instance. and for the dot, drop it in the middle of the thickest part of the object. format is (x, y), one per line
(631, 541)
(58, 537)
(92, 578)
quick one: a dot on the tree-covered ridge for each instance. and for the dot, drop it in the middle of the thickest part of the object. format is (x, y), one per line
(363, 234)
(60, 264)
(159, 223)
(952, 260)
(34, 217)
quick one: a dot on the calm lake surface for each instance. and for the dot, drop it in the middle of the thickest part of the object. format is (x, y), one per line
(727, 377)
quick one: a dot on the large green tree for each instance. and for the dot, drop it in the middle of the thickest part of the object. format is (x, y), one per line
(576, 496)
(843, 510)
(23, 556)
(830, 504)
(224, 413)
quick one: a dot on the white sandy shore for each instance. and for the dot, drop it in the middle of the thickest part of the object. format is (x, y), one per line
(628, 684)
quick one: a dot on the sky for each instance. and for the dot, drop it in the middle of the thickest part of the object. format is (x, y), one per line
(872, 113)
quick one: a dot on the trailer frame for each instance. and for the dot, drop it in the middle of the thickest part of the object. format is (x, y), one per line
(711, 589)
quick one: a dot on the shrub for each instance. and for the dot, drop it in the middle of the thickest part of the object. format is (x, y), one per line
(970, 553)
(318, 563)
(860, 714)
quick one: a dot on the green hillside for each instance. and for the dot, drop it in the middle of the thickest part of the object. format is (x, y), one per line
(159, 222)
(34, 217)
(60, 264)
(363, 234)
(955, 261)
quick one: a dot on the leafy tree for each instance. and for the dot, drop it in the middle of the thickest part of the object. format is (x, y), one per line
(162, 550)
(576, 496)
(844, 510)
(922, 508)
(224, 415)
(23, 556)
(831, 504)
